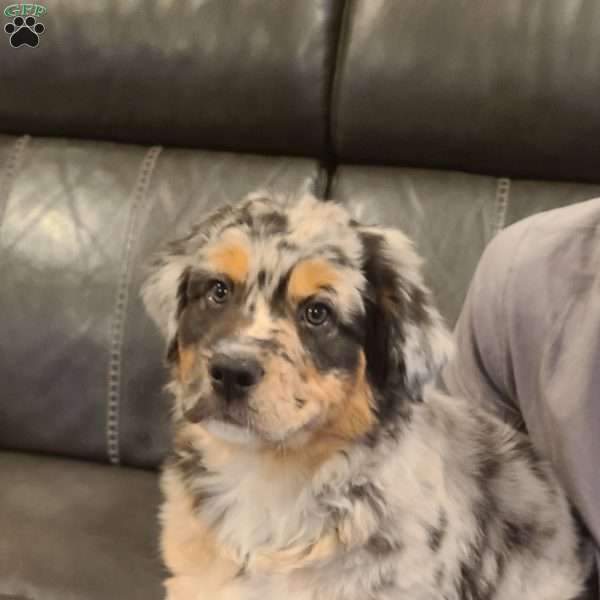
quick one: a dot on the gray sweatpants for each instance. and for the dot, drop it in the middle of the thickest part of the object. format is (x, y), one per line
(528, 343)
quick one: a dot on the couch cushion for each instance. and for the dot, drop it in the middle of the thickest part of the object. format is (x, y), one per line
(508, 88)
(81, 364)
(62, 239)
(77, 531)
(251, 75)
(451, 216)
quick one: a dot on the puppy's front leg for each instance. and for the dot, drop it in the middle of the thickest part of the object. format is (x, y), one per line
(184, 587)
(200, 571)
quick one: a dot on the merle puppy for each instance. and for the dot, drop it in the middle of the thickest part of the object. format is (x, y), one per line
(313, 459)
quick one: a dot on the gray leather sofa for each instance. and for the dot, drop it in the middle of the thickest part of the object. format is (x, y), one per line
(132, 118)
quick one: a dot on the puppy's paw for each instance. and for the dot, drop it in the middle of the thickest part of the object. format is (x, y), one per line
(184, 587)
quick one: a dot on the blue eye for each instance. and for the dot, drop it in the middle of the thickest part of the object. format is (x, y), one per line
(316, 313)
(218, 292)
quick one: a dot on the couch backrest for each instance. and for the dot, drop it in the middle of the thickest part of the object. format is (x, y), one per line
(360, 92)
(507, 88)
(246, 75)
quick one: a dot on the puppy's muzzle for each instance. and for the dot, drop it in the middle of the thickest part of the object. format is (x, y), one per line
(234, 377)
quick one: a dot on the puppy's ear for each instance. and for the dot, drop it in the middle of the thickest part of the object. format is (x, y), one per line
(165, 290)
(407, 343)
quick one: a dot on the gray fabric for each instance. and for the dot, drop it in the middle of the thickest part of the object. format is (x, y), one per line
(529, 342)
(72, 530)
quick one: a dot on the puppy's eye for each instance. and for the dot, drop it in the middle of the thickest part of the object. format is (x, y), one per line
(316, 313)
(218, 292)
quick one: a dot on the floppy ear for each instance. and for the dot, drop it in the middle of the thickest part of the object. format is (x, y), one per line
(407, 343)
(164, 292)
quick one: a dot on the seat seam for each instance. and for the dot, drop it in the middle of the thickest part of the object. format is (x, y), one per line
(336, 83)
(121, 302)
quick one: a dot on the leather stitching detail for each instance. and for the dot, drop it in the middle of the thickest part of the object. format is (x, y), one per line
(501, 203)
(11, 168)
(122, 299)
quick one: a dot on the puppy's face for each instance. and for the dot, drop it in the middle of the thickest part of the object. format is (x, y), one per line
(289, 322)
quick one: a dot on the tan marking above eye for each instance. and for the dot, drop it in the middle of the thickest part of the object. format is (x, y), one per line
(231, 260)
(309, 277)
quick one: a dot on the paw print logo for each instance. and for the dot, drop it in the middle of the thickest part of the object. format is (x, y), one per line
(24, 32)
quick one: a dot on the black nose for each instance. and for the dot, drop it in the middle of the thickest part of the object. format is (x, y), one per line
(234, 377)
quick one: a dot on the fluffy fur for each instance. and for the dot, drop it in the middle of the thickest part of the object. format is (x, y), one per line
(342, 474)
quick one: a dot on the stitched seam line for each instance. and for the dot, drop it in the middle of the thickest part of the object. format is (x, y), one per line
(10, 172)
(321, 182)
(501, 204)
(122, 299)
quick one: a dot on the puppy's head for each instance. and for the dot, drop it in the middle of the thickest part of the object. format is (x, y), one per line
(288, 322)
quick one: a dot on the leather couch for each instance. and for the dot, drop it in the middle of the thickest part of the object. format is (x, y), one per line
(132, 118)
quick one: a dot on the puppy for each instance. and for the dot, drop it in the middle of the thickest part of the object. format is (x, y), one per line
(313, 460)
